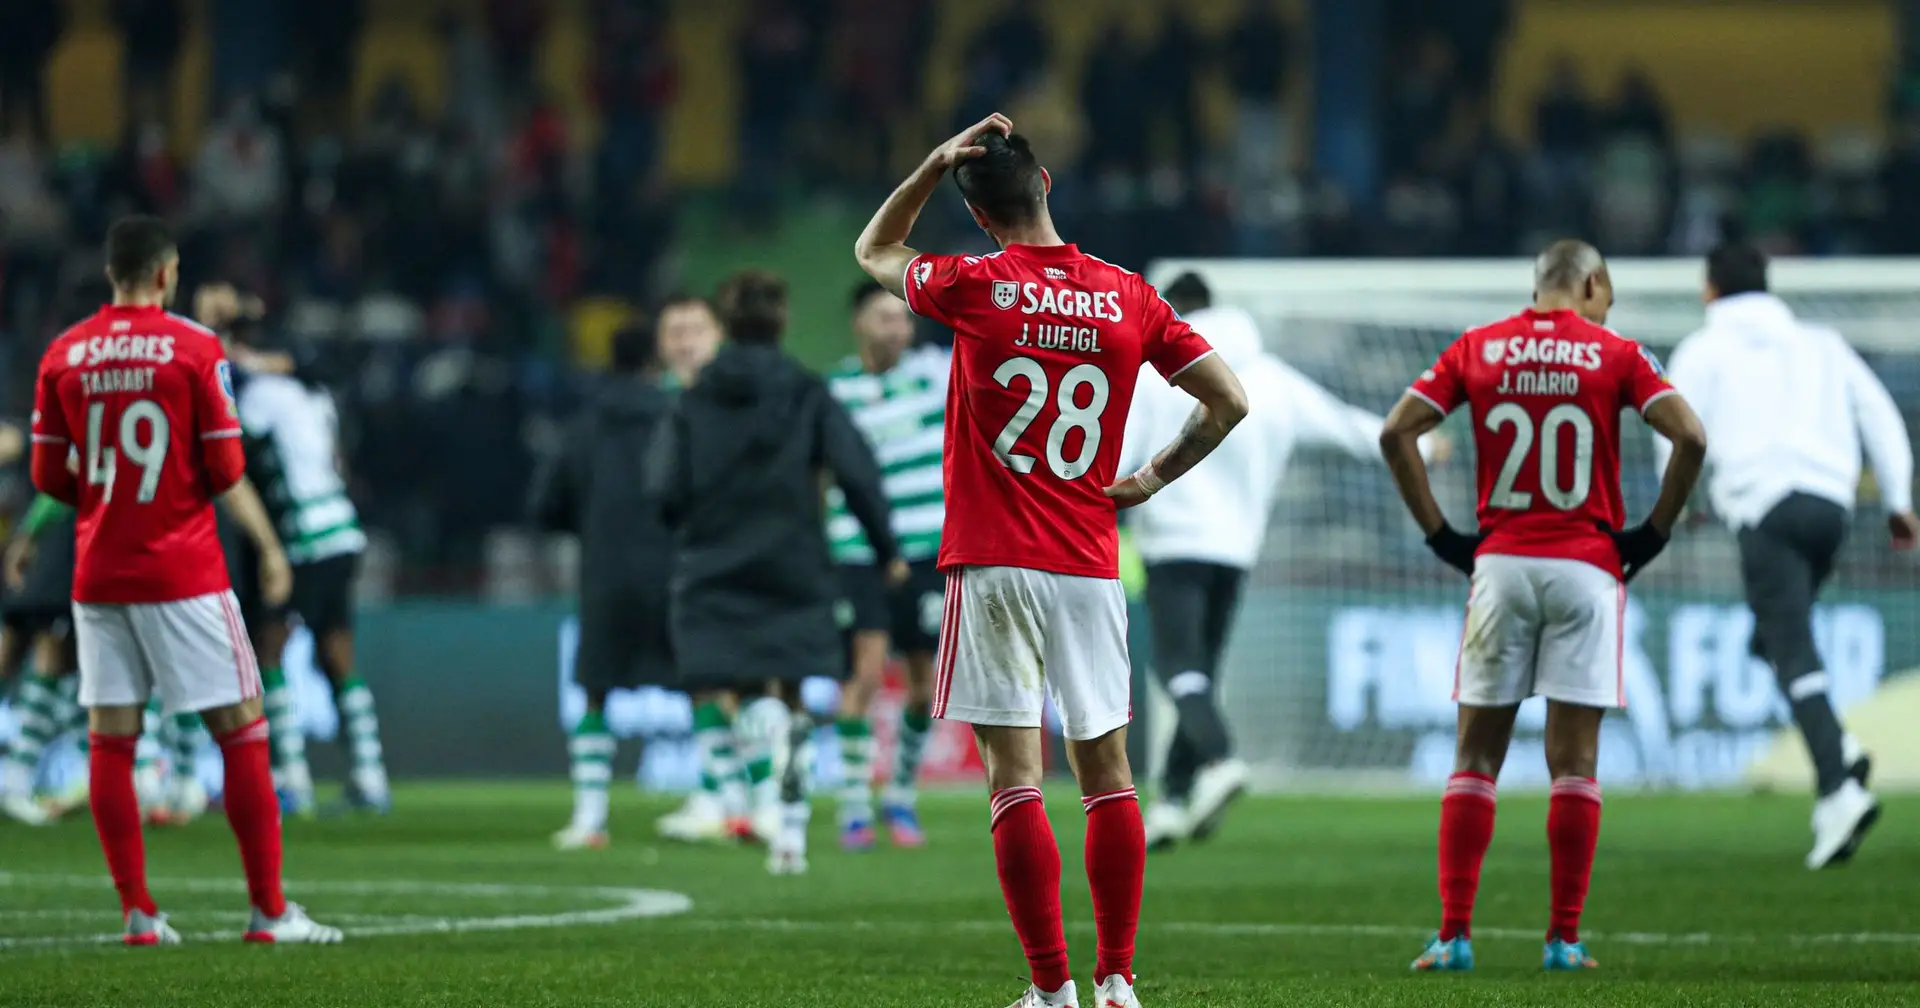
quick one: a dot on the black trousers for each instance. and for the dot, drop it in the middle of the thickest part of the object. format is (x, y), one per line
(1784, 562)
(1191, 606)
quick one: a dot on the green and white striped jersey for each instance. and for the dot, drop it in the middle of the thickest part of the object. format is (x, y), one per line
(292, 436)
(903, 414)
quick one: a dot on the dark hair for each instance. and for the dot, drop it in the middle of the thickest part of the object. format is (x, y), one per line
(753, 306)
(1188, 293)
(635, 347)
(864, 290)
(1736, 268)
(1004, 183)
(136, 247)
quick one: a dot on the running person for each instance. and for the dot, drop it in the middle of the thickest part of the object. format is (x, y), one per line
(898, 399)
(1048, 343)
(135, 425)
(1549, 567)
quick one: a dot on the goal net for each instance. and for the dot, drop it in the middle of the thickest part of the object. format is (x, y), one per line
(1340, 669)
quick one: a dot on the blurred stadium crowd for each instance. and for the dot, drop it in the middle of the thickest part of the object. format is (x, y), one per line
(436, 251)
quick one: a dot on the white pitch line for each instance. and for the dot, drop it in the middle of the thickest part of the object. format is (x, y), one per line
(639, 904)
(1284, 930)
(630, 904)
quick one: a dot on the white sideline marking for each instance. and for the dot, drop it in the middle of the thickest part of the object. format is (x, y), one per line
(638, 904)
(629, 904)
(1258, 929)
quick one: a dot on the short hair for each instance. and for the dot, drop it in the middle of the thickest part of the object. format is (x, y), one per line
(753, 306)
(862, 291)
(635, 346)
(1188, 292)
(137, 245)
(1004, 183)
(1736, 267)
(1565, 265)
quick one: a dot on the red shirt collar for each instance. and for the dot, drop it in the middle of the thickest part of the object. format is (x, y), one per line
(1045, 252)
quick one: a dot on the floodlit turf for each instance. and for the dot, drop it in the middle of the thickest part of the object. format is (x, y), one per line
(1697, 901)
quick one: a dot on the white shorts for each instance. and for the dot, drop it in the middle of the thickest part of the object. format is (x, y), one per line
(194, 652)
(1537, 625)
(1010, 638)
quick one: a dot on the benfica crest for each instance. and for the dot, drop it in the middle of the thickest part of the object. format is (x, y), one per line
(1005, 293)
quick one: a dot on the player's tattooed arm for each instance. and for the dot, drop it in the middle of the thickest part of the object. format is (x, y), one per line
(882, 248)
(1223, 404)
(1411, 418)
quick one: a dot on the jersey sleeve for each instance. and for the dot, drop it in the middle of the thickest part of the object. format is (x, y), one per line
(1646, 381)
(929, 285)
(217, 423)
(52, 442)
(1170, 345)
(1444, 385)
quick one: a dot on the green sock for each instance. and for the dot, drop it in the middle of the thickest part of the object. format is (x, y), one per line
(590, 760)
(721, 775)
(856, 769)
(146, 752)
(288, 746)
(362, 725)
(915, 724)
(38, 706)
(183, 744)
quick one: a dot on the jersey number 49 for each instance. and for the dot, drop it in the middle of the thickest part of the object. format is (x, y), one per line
(149, 454)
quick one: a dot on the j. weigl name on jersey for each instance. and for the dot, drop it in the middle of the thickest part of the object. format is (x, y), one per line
(1034, 299)
(1546, 355)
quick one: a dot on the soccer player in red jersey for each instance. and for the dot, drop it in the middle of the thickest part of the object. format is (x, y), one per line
(135, 425)
(1548, 566)
(1047, 344)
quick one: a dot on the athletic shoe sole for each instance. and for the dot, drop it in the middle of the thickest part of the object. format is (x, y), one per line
(1846, 851)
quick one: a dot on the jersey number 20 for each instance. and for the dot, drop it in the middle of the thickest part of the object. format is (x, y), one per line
(1085, 418)
(1566, 498)
(150, 455)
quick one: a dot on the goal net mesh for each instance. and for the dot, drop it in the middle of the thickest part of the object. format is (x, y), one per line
(1340, 669)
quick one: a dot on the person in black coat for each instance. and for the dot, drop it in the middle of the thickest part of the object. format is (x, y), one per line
(594, 487)
(739, 471)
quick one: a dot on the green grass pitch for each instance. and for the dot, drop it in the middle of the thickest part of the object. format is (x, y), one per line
(457, 900)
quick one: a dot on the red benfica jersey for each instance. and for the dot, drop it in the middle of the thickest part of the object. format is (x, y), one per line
(1545, 390)
(135, 424)
(1048, 342)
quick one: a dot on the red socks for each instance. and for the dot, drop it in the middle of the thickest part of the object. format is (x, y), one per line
(1116, 870)
(116, 816)
(1029, 865)
(254, 813)
(1466, 828)
(1573, 829)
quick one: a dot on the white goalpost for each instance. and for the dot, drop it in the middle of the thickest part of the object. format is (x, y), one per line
(1341, 665)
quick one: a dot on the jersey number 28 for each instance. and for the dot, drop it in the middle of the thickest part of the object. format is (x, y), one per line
(149, 454)
(1566, 498)
(1072, 415)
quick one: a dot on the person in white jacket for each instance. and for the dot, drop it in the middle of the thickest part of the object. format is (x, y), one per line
(1788, 409)
(1199, 537)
